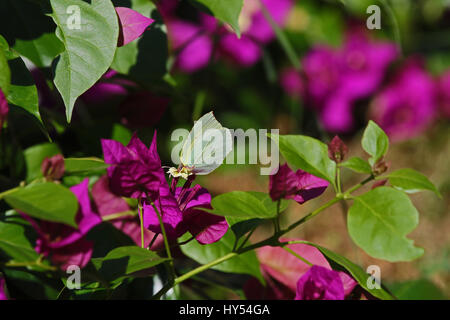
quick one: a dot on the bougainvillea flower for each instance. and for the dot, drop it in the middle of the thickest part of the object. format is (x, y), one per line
(282, 270)
(53, 168)
(108, 203)
(107, 88)
(192, 43)
(2, 289)
(4, 109)
(142, 109)
(363, 64)
(65, 244)
(132, 25)
(335, 78)
(292, 82)
(406, 107)
(193, 40)
(181, 212)
(300, 186)
(255, 31)
(136, 170)
(320, 283)
(444, 94)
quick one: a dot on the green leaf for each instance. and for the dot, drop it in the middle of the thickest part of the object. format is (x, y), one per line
(127, 260)
(84, 165)
(34, 157)
(14, 242)
(47, 201)
(356, 272)
(89, 50)
(379, 221)
(246, 263)
(308, 154)
(5, 73)
(40, 51)
(245, 204)
(226, 11)
(375, 142)
(411, 181)
(23, 92)
(421, 289)
(358, 165)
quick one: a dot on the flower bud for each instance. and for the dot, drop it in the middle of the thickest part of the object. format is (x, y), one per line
(380, 167)
(53, 168)
(337, 150)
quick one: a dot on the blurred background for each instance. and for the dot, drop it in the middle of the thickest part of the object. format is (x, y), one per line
(322, 72)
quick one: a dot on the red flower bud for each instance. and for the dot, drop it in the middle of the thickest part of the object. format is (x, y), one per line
(379, 183)
(380, 167)
(53, 168)
(337, 150)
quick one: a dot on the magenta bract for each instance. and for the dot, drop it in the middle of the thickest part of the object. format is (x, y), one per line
(320, 283)
(299, 186)
(181, 212)
(136, 170)
(132, 25)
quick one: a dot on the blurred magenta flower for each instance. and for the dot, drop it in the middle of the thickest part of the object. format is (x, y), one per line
(136, 170)
(53, 168)
(334, 79)
(181, 212)
(320, 283)
(299, 186)
(65, 245)
(4, 109)
(194, 41)
(444, 94)
(406, 107)
(108, 204)
(282, 270)
(255, 31)
(2, 289)
(107, 88)
(292, 83)
(132, 25)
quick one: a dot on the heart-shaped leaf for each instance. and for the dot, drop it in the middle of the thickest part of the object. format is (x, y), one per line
(378, 222)
(89, 33)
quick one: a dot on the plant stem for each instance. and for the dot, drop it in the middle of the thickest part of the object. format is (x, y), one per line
(282, 39)
(272, 241)
(166, 242)
(141, 220)
(114, 216)
(204, 267)
(295, 254)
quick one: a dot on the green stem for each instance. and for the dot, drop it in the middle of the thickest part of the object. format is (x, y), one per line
(204, 267)
(272, 241)
(338, 179)
(282, 39)
(141, 220)
(295, 254)
(166, 241)
(119, 215)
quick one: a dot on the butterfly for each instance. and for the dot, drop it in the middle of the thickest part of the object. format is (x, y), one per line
(205, 148)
